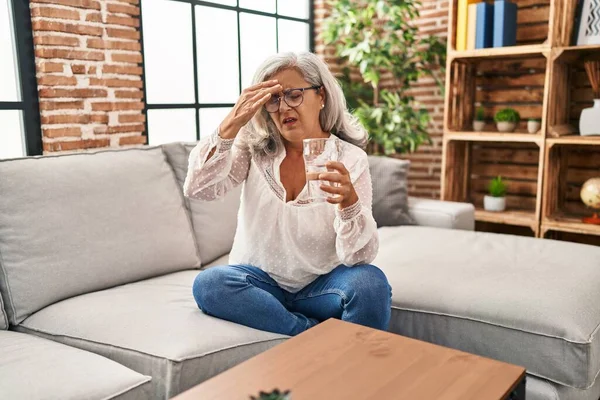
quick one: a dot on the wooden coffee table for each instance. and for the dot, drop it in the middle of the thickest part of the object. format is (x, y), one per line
(339, 360)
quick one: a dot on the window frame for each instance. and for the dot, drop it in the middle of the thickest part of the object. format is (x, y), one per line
(25, 59)
(196, 105)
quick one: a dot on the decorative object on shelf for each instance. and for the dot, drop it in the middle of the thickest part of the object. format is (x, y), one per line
(507, 119)
(395, 121)
(588, 122)
(495, 201)
(589, 23)
(533, 125)
(479, 120)
(274, 395)
(484, 31)
(590, 195)
(505, 23)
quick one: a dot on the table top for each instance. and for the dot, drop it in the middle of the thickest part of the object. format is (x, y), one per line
(340, 360)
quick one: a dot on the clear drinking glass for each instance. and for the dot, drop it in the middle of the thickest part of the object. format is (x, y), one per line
(316, 153)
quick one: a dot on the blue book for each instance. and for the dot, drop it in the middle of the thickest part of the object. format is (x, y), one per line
(484, 31)
(505, 23)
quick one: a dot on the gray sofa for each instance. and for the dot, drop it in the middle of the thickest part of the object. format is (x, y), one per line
(98, 252)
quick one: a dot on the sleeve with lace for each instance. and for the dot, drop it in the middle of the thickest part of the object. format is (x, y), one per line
(211, 178)
(357, 240)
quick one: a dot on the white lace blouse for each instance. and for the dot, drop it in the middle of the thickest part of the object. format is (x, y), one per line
(294, 242)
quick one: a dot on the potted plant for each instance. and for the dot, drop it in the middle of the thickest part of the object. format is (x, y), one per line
(374, 37)
(495, 201)
(507, 119)
(479, 120)
(533, 125)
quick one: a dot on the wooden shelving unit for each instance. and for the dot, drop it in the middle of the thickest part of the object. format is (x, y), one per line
(541, 77)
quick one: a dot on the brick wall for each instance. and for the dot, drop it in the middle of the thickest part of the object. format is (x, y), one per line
(88, 72)
(425, 170)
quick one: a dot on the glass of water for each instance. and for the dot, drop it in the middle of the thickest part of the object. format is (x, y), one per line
(317, 152)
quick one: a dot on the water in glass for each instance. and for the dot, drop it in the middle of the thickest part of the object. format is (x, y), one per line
(316, 153)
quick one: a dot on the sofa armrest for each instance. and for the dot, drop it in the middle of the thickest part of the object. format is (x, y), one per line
(442, 214)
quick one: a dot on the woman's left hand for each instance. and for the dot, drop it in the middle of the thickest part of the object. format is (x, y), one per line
(341, 185)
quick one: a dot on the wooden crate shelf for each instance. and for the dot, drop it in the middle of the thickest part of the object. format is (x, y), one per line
(567, 167)
(569, 224)
(541, 77)
(494, 84)
(512, 217)
(494, 137)
(570, 90)
(575, 140)
(501, 52)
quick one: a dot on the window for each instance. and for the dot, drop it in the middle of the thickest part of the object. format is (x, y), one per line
(199, 55)
(19, 110)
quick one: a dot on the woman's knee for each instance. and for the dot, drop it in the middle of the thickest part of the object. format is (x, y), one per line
(207, 287)
(369, 281)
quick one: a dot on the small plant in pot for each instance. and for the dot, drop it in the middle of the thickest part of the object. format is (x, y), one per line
(533, 125)
(495, 201)
(507, 119)
(479, 120)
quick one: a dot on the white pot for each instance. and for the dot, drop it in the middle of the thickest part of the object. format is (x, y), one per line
(506, 126)
(491, 203)
(533, 126)
(478, 126)
(589, 121)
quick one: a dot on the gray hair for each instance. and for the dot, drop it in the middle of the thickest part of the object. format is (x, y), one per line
(262, 134)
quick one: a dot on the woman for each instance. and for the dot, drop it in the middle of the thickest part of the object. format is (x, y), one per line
(294, 263)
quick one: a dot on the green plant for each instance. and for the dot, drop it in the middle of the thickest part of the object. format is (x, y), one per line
(377, 36)
(507, 115)
(535, 119)
(479, 114)
(497, 187)
(274, 395)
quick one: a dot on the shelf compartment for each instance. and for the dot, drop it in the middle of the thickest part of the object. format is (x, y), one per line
(495, 84)
(567, 167)
(532, 23)
(570, 90)
(469, 167)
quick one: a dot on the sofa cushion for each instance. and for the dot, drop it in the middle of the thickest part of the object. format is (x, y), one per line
(35, 368)
(84, 222)
(526, 301)
(153, 327)
(390, 191)
(541, 389)
(214, 222)
(3, 316)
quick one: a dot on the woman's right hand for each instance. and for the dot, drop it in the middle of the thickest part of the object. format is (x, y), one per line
(249, 103)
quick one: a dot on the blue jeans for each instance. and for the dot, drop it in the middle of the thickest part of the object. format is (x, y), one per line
(249, 296)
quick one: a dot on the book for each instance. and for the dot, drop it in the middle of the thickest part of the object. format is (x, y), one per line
(461, 23)
(484, 31)
(505, 23)
(577, 22)
(471, 25)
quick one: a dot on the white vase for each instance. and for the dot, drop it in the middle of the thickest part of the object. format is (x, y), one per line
(589, 122)
(506, 126)
(491, 203)
(478, 126)
(533, 126)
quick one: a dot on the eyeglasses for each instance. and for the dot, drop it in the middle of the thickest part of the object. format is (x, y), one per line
(292, 97)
